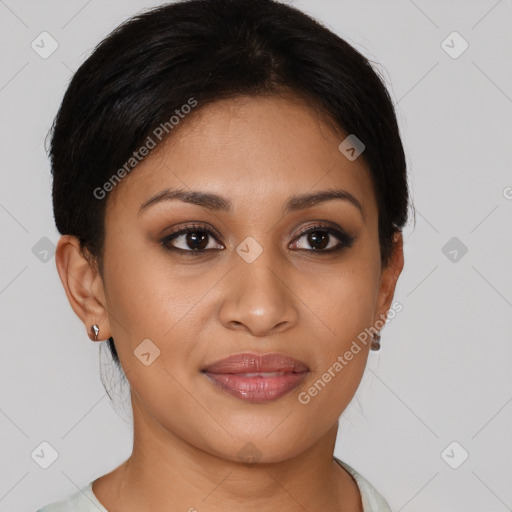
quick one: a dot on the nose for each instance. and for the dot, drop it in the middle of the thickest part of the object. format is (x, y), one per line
(259, 298)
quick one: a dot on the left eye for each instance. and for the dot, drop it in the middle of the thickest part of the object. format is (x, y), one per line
(323, 239)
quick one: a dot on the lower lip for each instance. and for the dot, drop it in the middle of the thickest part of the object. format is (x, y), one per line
(257, 389)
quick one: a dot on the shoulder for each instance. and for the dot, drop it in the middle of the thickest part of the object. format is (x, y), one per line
(372, 500)
(82, 500)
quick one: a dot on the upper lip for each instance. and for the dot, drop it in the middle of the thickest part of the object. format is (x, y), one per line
(251, 363)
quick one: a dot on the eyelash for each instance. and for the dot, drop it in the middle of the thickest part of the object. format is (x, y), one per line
(345, 240)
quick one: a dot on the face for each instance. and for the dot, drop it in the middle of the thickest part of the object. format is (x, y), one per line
(257, 273)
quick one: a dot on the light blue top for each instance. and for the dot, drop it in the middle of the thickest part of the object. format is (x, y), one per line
(84, 500)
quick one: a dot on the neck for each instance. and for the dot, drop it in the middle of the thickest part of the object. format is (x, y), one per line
(165, 473)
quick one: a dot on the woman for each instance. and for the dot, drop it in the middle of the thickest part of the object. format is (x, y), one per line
(230, 187)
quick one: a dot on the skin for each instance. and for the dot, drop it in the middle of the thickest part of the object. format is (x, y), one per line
(256, 152)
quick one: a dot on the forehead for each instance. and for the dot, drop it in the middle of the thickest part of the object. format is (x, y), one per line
(249, 149)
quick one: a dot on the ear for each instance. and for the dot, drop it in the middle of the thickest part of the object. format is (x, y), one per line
(83, 285)
(389, 278)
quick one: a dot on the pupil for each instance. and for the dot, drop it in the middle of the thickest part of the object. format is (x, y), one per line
(318, 237)
(197, 238)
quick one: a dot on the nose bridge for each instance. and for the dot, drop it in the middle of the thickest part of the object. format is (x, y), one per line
(259, 269)
(258, 297)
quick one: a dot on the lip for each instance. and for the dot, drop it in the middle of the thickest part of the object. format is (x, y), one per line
(257, 378)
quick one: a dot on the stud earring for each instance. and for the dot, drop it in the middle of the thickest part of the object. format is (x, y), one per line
(95, 330)
(376, 342)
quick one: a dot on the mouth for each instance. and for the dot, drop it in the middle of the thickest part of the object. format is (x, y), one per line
(257, 378)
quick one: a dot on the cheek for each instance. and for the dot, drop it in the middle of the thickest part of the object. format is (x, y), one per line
(152, 297)
(345, 300)
(144, 300)
(344, 311)
(140, 286)
(341, 345)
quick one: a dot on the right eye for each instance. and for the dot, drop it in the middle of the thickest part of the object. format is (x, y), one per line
(194, 239)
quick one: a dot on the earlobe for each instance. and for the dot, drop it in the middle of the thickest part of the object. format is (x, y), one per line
(79, 279)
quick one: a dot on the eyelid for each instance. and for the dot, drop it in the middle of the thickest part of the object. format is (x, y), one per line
(199, 226)
(317, 225)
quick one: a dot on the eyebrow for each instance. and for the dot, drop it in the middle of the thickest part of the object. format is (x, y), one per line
(216, 202)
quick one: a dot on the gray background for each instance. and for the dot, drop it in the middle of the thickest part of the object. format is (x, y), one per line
(444, 370)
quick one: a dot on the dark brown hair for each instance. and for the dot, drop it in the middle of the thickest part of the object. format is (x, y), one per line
(153, 63)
